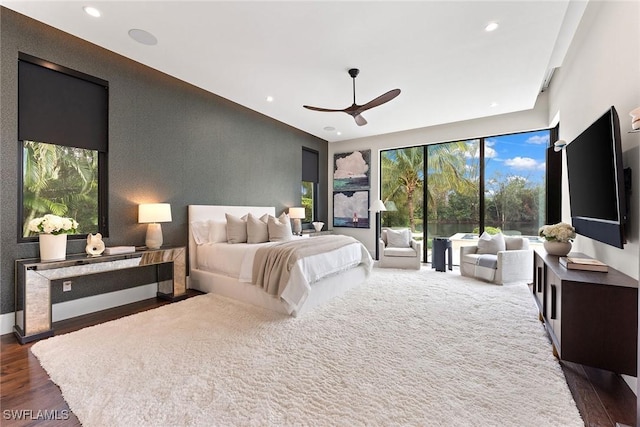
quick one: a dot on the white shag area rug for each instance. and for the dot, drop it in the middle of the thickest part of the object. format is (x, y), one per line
(407, 348)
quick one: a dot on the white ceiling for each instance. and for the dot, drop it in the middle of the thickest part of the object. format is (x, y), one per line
(437, 52)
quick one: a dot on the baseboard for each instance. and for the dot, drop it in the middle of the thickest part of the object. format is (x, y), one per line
(69, 309)
(632, 382)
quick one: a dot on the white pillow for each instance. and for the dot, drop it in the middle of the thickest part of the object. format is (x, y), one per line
(236, 229)
(279, 228)
(217, 231)
(398, 238)
(200, 231)
(488, 244)
(257, 229)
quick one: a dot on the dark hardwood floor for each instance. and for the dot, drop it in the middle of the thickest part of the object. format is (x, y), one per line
(28, 397)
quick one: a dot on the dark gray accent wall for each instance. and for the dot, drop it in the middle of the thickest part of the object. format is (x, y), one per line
(168, 142)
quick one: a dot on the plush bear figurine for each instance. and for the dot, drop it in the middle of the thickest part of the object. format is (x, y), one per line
(95, 245)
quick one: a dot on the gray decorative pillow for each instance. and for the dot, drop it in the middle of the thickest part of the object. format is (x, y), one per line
(398, 238)
(236, 229)
(488, 244)
(257, 229)
(217, 231)
(279, 228)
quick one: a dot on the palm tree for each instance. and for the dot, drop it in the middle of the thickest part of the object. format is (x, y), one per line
(59, 180)
(403, 176)
(447, 171)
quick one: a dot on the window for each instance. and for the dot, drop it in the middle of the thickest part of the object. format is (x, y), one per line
(63, 137)
(459, 189)
(62, 181)
(309, 189)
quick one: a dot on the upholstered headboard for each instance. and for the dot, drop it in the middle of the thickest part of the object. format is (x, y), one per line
(199, 213)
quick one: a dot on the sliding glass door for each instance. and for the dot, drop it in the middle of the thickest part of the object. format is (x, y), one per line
(402, 181)
(452, 191)
(514, 192)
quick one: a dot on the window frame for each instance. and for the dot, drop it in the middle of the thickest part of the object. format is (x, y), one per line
(552, 176)
(315, 183)
(103, 208)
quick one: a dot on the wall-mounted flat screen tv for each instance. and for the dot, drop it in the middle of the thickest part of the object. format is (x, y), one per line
(596, 181)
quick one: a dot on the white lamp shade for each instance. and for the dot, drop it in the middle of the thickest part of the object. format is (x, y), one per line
(377, 206)
(154, 212)
(296, 213)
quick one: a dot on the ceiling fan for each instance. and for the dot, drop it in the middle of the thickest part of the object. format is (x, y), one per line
(354, 110)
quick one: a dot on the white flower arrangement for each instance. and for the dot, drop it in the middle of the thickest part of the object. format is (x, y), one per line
(560, 232)
(53, 224)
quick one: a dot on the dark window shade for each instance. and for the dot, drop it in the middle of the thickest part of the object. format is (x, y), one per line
(58, 108)
(310, 165)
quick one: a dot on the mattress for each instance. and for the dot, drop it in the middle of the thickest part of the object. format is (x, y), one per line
(236, 260)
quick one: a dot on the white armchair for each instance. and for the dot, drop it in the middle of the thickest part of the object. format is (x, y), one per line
(512, 262)
(397, 249)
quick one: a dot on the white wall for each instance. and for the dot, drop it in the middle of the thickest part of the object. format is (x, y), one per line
(601, 69)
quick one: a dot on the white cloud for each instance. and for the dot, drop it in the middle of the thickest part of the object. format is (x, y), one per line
(351, 166)
(345, 206)
(524, 163)
(538, 139)
(489, 153)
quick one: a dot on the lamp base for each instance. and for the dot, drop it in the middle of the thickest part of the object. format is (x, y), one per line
(154, 236)
(297, 227)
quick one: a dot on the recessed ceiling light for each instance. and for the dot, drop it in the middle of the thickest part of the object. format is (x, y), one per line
(329, 128)
(269, 98)
(491, 26)
(92, 11)
(338, 133)
(494, 104)
(144, 37)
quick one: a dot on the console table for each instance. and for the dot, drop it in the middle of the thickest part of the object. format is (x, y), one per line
(591, 317)
(34, 278)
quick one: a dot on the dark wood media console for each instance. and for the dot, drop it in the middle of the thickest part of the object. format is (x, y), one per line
(592, 317)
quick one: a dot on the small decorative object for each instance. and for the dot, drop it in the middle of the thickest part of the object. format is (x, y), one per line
(95, 245)
(317, 225)
(635, 118)
(53, 231)
(557, 238)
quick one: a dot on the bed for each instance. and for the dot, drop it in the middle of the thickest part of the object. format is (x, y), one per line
(226, 269)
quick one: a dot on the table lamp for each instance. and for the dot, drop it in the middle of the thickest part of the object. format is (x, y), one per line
(297, 214)
(153, 214)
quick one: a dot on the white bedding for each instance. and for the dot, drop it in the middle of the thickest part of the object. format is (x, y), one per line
(236, 260)
(227, 268)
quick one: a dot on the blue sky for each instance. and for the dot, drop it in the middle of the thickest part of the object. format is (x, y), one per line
(520, 154)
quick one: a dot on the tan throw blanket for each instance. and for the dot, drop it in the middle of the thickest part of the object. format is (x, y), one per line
(272, 265)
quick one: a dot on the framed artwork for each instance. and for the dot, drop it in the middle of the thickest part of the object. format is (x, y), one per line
(351, 171)
(351, 209)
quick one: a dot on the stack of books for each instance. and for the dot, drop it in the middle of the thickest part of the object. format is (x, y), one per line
(116, 250)
(588, 264)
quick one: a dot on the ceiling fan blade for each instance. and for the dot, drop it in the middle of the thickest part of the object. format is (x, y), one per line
(327, 110)
(380, 100)
(360, 121)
